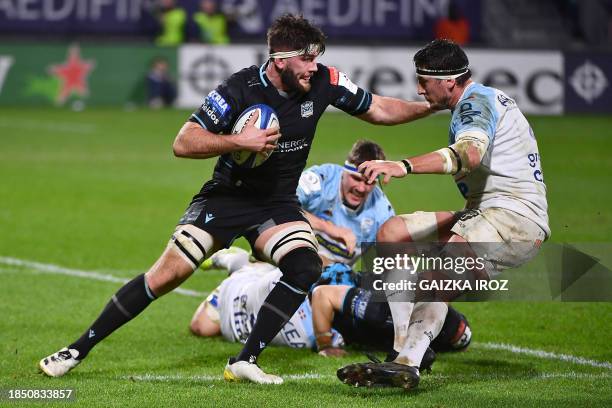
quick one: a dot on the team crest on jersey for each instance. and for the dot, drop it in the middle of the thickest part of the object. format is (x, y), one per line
(307, 109)
(366, 225)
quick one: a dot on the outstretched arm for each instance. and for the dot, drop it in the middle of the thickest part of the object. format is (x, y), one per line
(464, 155)
(385, 110)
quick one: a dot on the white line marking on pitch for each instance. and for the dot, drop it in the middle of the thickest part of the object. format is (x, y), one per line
(544, 354)
(315, 376)
(209, 378)
(60, 270)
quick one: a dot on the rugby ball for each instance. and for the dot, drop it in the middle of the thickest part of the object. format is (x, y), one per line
(267, 119)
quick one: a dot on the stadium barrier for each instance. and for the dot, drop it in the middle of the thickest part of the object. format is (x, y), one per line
(542, 82)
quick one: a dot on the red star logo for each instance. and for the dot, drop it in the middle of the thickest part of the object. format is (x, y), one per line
(73, 74)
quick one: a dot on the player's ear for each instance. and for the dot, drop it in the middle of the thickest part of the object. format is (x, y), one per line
(279, 63)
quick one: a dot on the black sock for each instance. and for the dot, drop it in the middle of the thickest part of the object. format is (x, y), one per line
(126, 304)
(279, 306)
(452, 323)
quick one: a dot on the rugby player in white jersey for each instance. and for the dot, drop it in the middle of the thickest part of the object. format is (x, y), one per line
(344, 211)
(494, 159)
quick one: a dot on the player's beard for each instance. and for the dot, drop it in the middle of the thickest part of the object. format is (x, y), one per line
(291, 82)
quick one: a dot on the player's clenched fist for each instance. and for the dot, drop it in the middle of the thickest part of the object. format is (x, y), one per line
(258, 140)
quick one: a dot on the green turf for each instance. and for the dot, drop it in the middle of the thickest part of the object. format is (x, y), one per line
(100, 190)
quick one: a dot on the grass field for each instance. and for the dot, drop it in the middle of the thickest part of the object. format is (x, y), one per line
(100, 191)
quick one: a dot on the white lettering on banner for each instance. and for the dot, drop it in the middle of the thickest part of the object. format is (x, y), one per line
(51, 12)
(383, 7)
(84, 10)
(5, 65)
(339, 13)
(8, 8)
(96, 8)
(25, 10)
(339, 19)
(533, 79)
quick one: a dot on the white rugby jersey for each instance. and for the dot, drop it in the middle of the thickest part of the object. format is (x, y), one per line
(319, 193)
(510, 175)
(242, 294)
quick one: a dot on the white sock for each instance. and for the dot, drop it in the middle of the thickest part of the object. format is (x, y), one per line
(401, 306)
(400, 312)
(425, 324)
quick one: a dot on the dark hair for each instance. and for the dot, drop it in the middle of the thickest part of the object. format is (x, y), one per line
(291, 32)
(364, 150)
(444, 55)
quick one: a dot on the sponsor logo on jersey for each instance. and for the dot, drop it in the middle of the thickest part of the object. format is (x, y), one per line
(309, 182)
(307, 109)
(504, 100)
(467, 113)
(345, 82)
(366, 226)
(215, 106)
(292, 145)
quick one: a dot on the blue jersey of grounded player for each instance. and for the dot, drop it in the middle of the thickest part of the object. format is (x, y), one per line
(320, 194)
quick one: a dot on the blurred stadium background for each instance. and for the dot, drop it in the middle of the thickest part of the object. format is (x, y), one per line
(90, 189)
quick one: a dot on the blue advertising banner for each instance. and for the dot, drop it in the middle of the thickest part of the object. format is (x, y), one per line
(588, 82)
(340, 19)
(357, 19)
(66, 17)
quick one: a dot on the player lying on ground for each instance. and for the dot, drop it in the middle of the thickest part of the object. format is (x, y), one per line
(338, 313)
(494, 159)
(342, 210)
(257, 203)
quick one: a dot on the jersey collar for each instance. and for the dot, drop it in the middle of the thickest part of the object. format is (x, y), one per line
(262, 74)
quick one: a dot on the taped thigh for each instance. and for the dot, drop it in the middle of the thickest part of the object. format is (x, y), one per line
(422, 226)
(192, 243)
(287, 239)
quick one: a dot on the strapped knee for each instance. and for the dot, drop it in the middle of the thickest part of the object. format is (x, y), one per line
(301, 268)
(192, 243)
(289, 239)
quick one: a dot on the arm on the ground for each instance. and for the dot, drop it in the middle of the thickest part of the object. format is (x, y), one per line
(202, 324)
(326, 301)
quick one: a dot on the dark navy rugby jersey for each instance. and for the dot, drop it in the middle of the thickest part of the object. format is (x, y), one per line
(298, 117)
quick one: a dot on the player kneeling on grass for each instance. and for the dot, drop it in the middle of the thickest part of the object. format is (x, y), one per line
(494, 158)
(338, 312)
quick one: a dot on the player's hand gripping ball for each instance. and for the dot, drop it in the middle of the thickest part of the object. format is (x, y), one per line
(267, 119)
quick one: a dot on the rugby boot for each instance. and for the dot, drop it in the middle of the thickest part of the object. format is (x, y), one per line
(59, 363)
(237, 371)
(388, 374)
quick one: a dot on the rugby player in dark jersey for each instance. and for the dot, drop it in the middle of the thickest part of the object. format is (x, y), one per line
(257, 203)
